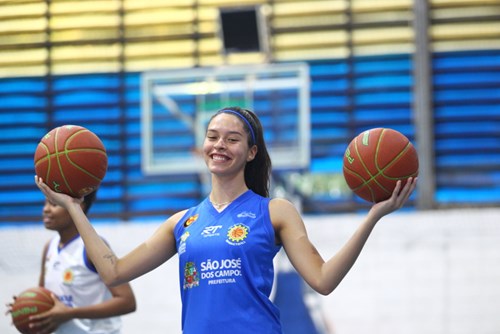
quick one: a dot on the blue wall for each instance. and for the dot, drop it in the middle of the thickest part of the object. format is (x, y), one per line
(347, 97)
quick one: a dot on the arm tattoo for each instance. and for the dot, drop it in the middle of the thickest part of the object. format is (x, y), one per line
(111, 257)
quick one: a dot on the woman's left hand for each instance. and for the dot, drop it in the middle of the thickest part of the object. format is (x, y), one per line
(49, 321)
(398, 198)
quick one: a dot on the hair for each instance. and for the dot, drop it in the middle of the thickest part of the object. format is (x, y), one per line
(88, 200)
(257, 171)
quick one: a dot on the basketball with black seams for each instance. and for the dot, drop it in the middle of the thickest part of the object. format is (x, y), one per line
(375, 160)
(30, 302)
(72, 160)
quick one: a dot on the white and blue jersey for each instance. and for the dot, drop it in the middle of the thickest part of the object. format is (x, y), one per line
(226, 268)
(70, 276)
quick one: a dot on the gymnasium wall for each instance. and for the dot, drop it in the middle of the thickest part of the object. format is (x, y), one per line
(433, 272)
(76, 61)
(80, 62)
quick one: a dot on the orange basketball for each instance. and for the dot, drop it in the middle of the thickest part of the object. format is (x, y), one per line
(30, 302)
(72, 160)
(375, 160)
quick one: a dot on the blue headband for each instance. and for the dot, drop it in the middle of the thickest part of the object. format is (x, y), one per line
(244, 120)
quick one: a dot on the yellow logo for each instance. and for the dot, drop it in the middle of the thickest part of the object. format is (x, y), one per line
(237, 233)
(190, 220)
(184, 236)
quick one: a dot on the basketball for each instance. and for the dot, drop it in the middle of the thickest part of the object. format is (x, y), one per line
(72, 160)
(30, 302)
(375, 160)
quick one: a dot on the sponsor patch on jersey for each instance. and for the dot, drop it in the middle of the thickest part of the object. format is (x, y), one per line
(223, 271)
(68, 277)
(182, 245)
(190, 220)
(237, 234)
(246, 214)
(211, 231)
(67, 300)
(55, 265)
(191, 276)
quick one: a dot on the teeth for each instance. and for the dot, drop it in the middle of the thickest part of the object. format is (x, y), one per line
(219, 158)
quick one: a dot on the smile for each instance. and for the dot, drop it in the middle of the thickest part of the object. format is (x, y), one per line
(217, 157)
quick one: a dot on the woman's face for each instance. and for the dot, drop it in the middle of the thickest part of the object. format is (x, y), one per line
(55, 217)
(225, 148)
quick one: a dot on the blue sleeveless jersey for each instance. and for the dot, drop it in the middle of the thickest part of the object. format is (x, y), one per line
(226, 268)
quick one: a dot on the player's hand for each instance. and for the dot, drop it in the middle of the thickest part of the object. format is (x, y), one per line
(9, 306)
(54, 197)
(398, 198)
(48, 322)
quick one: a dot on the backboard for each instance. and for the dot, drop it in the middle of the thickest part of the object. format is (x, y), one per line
(177, 104)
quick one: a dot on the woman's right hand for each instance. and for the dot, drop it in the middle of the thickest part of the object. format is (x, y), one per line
(54, 197)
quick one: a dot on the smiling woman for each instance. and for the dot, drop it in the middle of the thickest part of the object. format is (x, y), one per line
(86, 62)
(227, 249)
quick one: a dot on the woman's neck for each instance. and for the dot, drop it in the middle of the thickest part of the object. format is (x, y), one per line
(67, 235)
(224, 189)
(226, 195)
(229, 198)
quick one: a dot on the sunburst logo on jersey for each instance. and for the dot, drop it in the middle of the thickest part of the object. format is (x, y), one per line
(68, 277)
(237, 233)
(190, 220)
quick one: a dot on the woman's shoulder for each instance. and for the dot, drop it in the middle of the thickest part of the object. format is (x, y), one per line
(279, 202)
(281, 209)
(176, 217)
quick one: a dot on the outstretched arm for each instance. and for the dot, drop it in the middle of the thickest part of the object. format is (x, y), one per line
(114, 271)
(325, 276)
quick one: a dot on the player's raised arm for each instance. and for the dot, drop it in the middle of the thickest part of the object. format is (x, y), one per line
(324, 276)
(114, 271)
